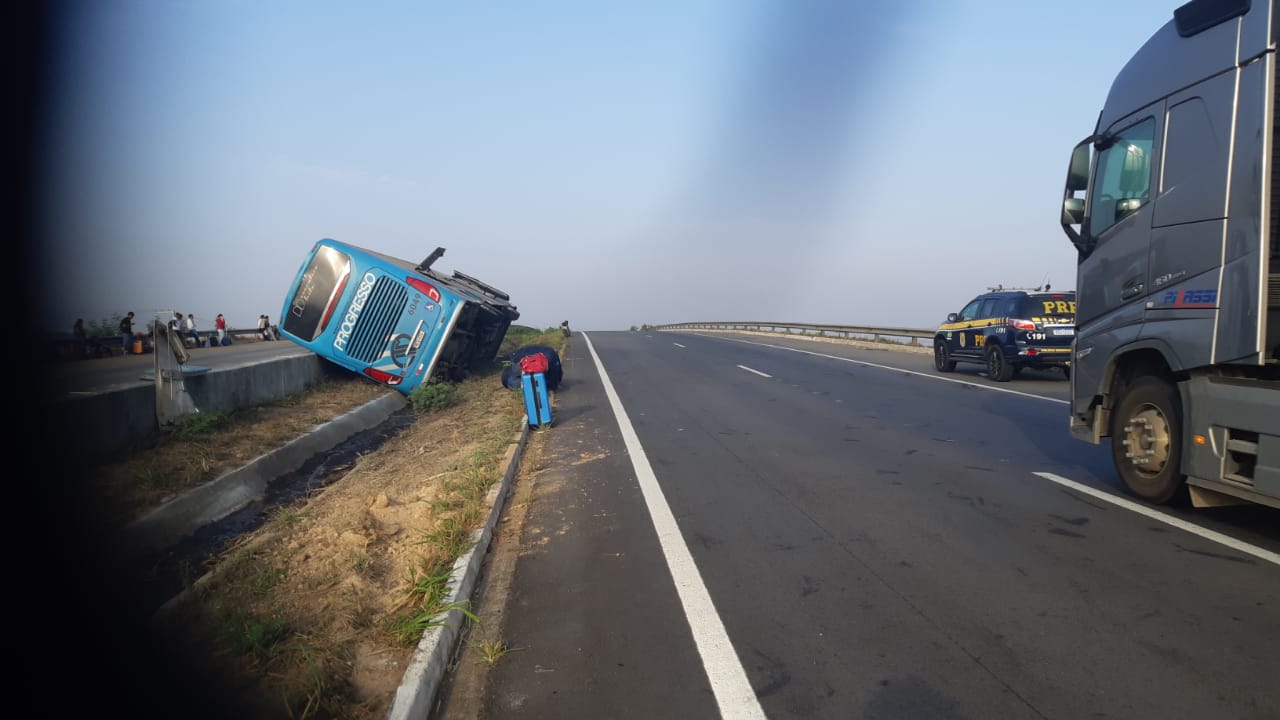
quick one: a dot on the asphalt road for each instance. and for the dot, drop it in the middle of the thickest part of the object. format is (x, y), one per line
(853, 535)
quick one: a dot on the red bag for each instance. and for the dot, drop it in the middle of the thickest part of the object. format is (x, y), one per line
(535, 363)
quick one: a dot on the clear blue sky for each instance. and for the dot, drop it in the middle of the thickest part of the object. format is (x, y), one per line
(606, 163)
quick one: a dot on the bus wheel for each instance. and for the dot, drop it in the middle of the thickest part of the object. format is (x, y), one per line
(1146, 440)
(941, 358)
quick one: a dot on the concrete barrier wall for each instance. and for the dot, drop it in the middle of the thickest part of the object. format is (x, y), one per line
(104, 425)
(228, 390)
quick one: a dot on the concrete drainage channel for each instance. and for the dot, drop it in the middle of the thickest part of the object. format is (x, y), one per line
(179, 536)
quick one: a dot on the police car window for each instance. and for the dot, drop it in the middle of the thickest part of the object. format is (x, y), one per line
(1009, 308)
(970, 311)
(1050, 306)
(988, 307)
(1123, 179)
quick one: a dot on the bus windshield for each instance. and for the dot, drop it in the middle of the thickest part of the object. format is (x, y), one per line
(316, 293)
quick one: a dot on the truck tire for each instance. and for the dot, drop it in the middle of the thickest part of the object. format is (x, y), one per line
(1146, 440)
(998, 367)
(941, 358)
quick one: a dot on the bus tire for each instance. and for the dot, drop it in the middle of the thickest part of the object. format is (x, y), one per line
(1146, 440)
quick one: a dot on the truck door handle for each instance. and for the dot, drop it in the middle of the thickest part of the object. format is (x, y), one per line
(1131, 288)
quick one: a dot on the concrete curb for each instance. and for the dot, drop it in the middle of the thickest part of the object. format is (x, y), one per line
(218, 498)
(416, 694)
(868, 344)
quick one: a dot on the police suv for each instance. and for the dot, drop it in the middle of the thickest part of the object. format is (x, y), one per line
(1007, 330)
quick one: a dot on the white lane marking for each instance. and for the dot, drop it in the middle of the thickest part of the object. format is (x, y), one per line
(677, 344)
(750, 370)
(1206, 533)
(898, 369)
(733, 692)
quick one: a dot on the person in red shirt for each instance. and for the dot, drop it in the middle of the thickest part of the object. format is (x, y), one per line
(220, 325)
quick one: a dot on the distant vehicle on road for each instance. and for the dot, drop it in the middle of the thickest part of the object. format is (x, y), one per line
(391, 320)
(1172, 206)
(1008, 330)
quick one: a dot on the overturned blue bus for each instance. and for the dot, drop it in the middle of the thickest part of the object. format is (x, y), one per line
(391, 320)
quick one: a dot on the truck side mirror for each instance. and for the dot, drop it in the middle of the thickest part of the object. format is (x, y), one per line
(1073, 208)
(1078, 173)
(1073, 211)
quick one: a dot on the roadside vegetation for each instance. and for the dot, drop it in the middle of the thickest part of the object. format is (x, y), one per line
(318, 611)
(203, 446)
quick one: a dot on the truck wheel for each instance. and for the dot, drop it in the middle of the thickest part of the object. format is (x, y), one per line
(941, 358)
(1146, 440)
(998, 368)
(1066, 371)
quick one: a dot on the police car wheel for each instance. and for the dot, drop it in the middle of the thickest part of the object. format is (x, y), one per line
(941, 358)
(998, 368)
(1146, 440)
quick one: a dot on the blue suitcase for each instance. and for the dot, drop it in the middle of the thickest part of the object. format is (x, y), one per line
(537, 403)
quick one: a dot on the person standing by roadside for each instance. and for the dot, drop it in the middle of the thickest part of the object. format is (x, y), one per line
(80, 337)
(191, 328)
(126, 331)
(220, 324)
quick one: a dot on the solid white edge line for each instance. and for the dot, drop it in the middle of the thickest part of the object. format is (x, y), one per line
(733, 692)
(751, 370)
(677, 344)
(1234, 544)
(896, 369)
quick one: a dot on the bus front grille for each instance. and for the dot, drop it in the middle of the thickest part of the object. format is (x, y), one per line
(377, 319)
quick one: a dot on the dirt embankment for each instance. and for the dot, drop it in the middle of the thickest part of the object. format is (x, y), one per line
(316, 613)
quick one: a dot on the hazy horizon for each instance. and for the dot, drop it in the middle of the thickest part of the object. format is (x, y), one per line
(614, 166)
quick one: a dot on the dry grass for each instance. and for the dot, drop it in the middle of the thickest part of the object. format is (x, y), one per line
(206, 446)
(317, 612)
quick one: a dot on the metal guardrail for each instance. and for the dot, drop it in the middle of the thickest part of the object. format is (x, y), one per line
(206, 334)
(108, 345)
(905, 336)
